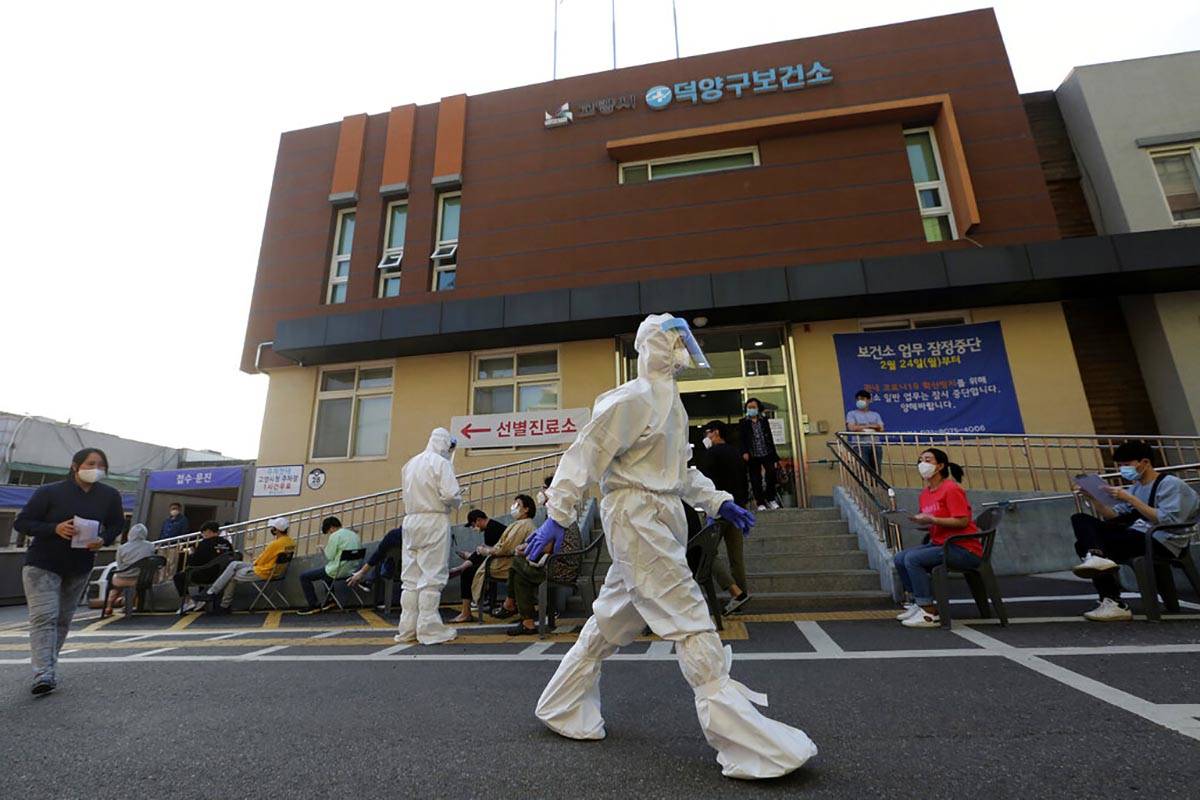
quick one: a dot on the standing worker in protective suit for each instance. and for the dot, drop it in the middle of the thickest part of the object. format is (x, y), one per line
(430, 492)
(636, 447)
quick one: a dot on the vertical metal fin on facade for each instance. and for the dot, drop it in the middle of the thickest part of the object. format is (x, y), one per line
(448, 150)
(954, 162)
(347, 164)
(397, 151)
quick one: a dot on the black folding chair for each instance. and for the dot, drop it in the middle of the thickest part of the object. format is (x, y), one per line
(981, 579)
(1154, 571)
(269, 586)
(701, 553)
(147, 568)
(346, 557)
(570, 580)
(396, 556)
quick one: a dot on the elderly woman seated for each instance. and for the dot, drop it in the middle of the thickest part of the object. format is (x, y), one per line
(498, 559)
(126, 573)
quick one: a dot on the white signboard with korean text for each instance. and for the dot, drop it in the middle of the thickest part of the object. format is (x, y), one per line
(520, 429)
(282, 481)
(778, 430)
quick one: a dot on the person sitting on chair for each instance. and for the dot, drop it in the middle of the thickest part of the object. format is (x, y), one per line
(204, 565)
(1154, 499)
(378, 567)
(524, 578)
(500, 556)
(492, 530)
(333, 569)
(126, 573)
(263, 568)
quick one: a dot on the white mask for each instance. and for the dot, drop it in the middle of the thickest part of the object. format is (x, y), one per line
(926, 469)
(541, 498)
(681, 359)
(174, 512)
(861, 404)
(516, 509)
(707, 442)
(90, 475)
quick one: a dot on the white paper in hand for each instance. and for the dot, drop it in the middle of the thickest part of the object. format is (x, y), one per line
(86, 532)
(1096, 488)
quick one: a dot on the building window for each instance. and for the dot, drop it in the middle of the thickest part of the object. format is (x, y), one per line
(339, 266)
(935, 320)
(692, 164)
(393, 249)
(502, 383)
(445, 254)
(929, 181)
(354, 413)
(1178, 173)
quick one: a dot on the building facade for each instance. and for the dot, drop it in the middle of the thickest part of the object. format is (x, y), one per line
(494, 254)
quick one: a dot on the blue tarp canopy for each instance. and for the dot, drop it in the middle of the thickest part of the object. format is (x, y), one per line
(18, 496)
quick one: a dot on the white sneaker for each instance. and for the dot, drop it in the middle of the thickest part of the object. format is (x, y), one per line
(922, 619)
(909, 610)
(1108, 611)
(773, 505)
(762, 508)
(1093, 565)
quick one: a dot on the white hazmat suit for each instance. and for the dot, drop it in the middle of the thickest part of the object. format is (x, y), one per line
(431, 491)
(636, 447)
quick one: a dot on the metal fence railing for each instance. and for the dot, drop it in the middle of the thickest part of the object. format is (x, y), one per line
(869, 492)
(1010, 462)
(373, 515)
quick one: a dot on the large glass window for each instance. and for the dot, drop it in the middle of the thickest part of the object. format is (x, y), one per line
(935, 320)
(393, 249)
(445, 254)
(933, 198)
(1178, 174)
(693, 164)
(521, 381)
(339, 265)
(354, 413)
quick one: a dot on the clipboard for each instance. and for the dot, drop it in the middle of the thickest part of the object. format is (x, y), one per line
(1095, 488)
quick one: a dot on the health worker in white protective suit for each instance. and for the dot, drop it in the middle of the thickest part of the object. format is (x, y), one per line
(636, 447)
(431, 491)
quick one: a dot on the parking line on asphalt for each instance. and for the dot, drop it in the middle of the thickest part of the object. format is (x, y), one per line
(1167, 718)
(224, 636)
(373, 619)
(139, 637)
(535, 649)
(821, 641)
(272, 620)
(263, 652)
(326, 634)
(153, 652)
(387, 651)
(185, 620)
(97, 625)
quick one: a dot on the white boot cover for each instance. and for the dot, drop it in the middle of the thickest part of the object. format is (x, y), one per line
(407, 631)
(570, 703)
(430, 628)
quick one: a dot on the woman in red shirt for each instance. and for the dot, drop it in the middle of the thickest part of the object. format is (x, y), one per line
(944, 508)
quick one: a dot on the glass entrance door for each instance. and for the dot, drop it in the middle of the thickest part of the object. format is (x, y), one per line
(746, 362)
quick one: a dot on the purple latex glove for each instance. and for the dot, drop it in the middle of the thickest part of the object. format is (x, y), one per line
(740, 517)
(550, 533)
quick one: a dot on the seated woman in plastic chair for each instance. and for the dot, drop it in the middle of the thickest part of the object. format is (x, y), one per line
(945, 509)
(499, 558)
(126, 573)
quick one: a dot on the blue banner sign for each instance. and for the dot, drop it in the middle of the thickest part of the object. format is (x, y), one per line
(952, 379)
(181, 480)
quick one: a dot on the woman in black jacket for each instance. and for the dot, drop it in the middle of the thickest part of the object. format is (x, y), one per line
(758, 451)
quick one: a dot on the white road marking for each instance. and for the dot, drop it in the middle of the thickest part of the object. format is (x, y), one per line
(257, 653)
(1164, 716)
(535, 649)
(225, 636)
(152, 652)
(1050, 598)
(327, 635)
(821, 641)
(387, 651)
(135, 638)
(658, 650)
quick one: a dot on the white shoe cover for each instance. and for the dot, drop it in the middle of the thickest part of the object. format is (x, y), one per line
(570, 703)
(430, 628)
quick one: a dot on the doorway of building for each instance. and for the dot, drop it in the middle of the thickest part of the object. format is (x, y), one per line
(746, 362)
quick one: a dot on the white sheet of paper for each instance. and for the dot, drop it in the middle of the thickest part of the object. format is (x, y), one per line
(900, 517)
(1095, 487)
(86, 532)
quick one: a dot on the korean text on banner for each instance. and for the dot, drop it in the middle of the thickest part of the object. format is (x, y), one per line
(283, 481)
(952, 379)
(521, 429)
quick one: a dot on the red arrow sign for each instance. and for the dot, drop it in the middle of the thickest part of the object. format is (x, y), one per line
(467, 430)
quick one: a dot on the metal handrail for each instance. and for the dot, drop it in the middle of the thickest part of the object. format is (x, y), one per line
(372, 515)
(866, 488)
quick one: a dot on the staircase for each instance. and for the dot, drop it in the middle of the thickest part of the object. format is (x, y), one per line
(807, 559)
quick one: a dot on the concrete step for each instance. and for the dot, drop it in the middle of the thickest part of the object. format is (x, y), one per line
(823, 580)
(767, 602)
(802, 528)
(801, 515)
(788, 562)
(762, 543)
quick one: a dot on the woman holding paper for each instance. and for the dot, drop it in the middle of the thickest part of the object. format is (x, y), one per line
(944, 508)
(60, 556)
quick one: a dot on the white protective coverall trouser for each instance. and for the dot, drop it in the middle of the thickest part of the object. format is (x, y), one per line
(423, 573)
(650, 583)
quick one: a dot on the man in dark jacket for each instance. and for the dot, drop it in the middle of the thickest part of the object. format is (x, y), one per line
(59, 518)
(758, 451)
(723, 466)
(204, 565)
(174, 525)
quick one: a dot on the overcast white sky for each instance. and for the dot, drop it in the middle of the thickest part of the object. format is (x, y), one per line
(139, 141)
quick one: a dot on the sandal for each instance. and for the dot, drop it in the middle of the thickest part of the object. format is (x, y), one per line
(461, 618)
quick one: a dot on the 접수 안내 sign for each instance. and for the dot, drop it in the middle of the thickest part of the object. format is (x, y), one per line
(520, 429)
(952, 379)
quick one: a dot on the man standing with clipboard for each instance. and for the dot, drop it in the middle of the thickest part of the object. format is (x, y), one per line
(1125, 516)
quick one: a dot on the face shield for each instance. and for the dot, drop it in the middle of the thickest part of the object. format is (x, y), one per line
(679, 326)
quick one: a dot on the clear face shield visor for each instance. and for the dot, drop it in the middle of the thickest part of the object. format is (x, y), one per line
(679, 326)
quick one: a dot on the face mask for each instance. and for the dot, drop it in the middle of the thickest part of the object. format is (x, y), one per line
(926, 469)
(516, 509)
(1129, 472)
(861, 404)
(751, 412)
(541, 498)
(90, 475)
(707, 442)
(680, 360)
(174, 512)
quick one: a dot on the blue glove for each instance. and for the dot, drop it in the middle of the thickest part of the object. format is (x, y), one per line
(740, 517)
(551, 533)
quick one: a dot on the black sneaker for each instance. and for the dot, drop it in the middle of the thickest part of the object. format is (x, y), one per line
(521, 630)
(43, 686)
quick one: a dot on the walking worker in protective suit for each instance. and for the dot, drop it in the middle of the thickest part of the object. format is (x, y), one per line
(430, 492)
(636, 447)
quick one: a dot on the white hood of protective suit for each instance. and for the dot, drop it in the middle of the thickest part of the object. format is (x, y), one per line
(657, 350)
(430, 486)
